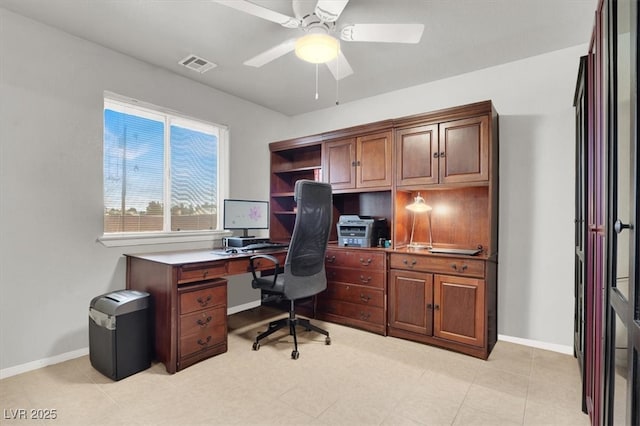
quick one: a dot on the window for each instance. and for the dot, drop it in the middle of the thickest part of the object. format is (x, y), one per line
(162, 171)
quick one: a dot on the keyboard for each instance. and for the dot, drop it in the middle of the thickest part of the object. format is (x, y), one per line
(263, 246)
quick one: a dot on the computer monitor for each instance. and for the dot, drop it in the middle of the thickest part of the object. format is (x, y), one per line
(245, 215)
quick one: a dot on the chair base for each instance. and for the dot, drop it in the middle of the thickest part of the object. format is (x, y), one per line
(292, 322)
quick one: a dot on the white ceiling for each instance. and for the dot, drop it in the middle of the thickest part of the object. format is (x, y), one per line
(460, 36)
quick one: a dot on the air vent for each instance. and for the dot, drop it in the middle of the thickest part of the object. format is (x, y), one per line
(197, 63)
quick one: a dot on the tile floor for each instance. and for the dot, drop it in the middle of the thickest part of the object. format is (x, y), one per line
(360, 379)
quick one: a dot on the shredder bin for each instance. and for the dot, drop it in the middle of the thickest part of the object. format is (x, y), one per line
(119, 337)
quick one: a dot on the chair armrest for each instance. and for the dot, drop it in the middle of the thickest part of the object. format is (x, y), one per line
(276, 265)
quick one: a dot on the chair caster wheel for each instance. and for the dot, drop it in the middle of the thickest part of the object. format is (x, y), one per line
(256, 346)
(295, 354)
(327, 341)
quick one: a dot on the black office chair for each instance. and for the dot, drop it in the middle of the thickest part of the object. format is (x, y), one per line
(303, 274)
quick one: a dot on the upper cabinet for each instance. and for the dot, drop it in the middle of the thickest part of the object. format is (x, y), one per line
(448, 156)
(360, 162)
(417, 155)
(463, 154)
(450, 152)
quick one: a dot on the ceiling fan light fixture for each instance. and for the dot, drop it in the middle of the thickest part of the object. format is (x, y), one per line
(317, 48)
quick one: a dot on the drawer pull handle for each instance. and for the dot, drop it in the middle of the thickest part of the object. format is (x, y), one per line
(463, 268)
(364, 279)
(204, 342)
(429, 306)
(365, 298)
(454, 266)
(204, 302)
(205, 273)
(202, 322)
(331, 259)
(365, 315)
(366, 262)
(436, 307)
(412, 264)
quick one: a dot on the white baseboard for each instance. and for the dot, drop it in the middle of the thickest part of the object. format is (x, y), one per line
(34, 365)
(563, 349)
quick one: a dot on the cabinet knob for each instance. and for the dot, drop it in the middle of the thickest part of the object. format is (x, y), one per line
(618, 226)
(436, 307)
(442, 154)
(429, 306)
(436, 155)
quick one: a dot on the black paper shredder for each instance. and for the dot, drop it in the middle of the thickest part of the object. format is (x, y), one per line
(119, 337)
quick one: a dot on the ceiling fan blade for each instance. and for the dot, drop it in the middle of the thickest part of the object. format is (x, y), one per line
(272, 54)
(340, 67)
(384, 33)
(260, 12)
(330, 10)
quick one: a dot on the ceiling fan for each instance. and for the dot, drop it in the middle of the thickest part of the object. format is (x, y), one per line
(318, 23)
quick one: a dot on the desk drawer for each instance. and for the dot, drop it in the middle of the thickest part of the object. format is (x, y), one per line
(356, 259)
(204, 298)
(201, 272)
(202, 340)
(240, 266)
(371, 278)
(354, 294)
(446, 265)
(201, 320)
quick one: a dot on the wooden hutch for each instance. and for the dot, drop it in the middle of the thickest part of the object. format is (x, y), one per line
(450, 158)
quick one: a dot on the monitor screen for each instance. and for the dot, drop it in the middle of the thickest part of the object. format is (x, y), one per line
(246, 214)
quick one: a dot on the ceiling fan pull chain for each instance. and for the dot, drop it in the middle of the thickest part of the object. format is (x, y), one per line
(316, 81)
(337, 74)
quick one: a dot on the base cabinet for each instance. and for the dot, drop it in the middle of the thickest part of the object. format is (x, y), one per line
(458, 309)
(202, 321)
(440, 309)
(356, 289)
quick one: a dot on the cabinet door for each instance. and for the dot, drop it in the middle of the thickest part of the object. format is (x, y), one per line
(340, 164)
(464, 150)
(373, 160)
(416, 163)
(410, 296)
(459, 309)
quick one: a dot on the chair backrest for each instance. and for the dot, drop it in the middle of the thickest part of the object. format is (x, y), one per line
(304, 273)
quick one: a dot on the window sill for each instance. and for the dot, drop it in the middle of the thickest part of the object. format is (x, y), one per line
(136, 239)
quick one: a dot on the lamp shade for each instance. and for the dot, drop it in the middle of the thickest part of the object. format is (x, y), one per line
(419, 205)
(317, 48)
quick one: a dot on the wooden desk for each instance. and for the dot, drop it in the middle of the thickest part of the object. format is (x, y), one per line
(189, 300)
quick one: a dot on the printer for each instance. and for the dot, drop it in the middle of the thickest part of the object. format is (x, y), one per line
(361, 231)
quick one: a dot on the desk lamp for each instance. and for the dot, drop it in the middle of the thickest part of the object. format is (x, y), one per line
(419, 206)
